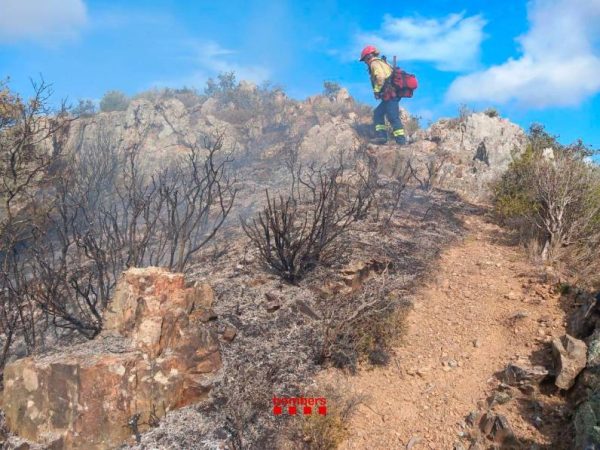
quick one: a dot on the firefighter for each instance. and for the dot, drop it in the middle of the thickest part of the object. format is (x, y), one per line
(380, 71)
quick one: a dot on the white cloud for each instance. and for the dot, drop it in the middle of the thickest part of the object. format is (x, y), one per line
(210, 59)
(451, 44)
(42, 20)
(213, 59)
(559, 64)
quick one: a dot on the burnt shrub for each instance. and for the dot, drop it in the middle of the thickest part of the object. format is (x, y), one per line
(296, 232)
(361, 326)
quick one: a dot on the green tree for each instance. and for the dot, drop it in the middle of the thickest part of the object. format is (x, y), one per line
(114, 101)
(85, 108)
(331, 88)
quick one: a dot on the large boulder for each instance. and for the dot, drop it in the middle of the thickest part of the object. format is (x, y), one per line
(324, 142)
(571, 358)
(156, 353)
(479, 148)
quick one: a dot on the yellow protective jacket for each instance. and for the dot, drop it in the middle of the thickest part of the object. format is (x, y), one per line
(379, 71)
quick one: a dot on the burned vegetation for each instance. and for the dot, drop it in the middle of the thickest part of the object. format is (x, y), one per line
(312, 252)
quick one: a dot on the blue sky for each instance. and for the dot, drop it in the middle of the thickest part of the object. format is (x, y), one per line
(535, 61)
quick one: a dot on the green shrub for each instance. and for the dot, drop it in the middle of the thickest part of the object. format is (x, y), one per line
(85, 108)
(551, 193)
(331, 89)
(513, 194)
(491, 112)
(114, 101)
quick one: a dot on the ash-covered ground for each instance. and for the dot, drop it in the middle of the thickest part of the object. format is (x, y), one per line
(280, 327)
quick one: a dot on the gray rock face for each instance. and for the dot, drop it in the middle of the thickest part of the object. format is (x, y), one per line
(571, 358)
(480, 149)
(470, 151)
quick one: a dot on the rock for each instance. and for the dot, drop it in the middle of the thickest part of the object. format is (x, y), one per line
(593, 352)
(571, 357)
(353, 276)
(413, 441)
(518, 315)
(343, 96)
(501, 398)
(583, 321)
(548, 153)
(357, 272)
(481, 146)
(422, 371)
(521, 372)
(273, 303)
(496, 428)
(305, 309)
(229, 333)
(476, 446)
(390, 160)
(587, 423)
(154, 355)
(324, 141)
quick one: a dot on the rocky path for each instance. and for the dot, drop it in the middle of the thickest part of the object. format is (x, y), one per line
(483, 309)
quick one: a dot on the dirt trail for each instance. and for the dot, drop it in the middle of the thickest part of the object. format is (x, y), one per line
(484, 308)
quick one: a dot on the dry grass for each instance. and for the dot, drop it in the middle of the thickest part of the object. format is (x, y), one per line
(363, 326)
(324, 432)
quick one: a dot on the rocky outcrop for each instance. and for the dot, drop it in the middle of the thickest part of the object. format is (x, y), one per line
(155, 354)
(571, 357)
(479, 149)
(473, 150)
(464, 155)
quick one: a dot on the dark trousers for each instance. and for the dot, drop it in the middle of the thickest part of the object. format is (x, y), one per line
(389, 109)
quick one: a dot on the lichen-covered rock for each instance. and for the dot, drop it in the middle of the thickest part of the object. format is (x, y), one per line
(571, 358)
(155, 354)
(593, 351)
(587, 424)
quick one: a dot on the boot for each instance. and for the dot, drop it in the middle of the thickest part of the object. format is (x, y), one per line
(380, 138)
(399, 136)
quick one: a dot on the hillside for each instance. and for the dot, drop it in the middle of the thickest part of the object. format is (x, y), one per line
(407, 310)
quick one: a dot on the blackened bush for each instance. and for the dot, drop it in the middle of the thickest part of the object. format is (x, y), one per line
(362, 326)
(297, 232)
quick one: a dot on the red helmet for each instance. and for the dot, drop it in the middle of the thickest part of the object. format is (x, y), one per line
(369, 49)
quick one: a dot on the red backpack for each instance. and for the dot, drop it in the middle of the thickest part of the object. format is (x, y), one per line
(404, 82)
